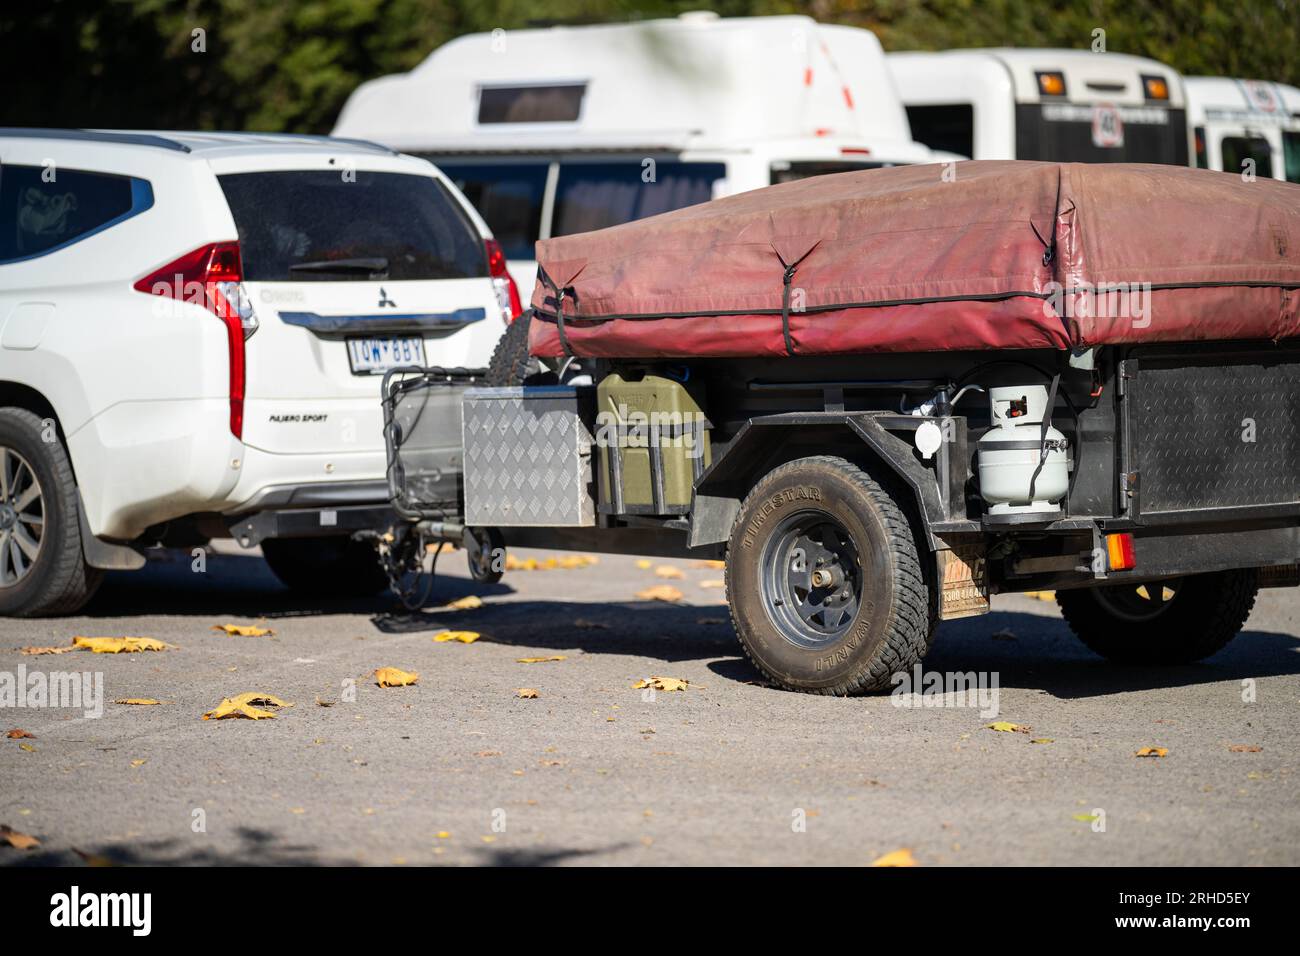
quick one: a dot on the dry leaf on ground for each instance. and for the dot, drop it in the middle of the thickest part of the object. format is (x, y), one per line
(395, 677)
(18, 734)
(660, 592)
(540, 660)
(62, 649)
(1245, 749)
(465, 637)
(467, 603)
(28, 747)
(1008, 728)
(719, 565)
(645, 565)
(120, 645)
(661, 683)
(668, 572)
(901, 857)
(249, 706)
(138, 701)
(242, 630)
(527, 693)
(1151, 752)
(19, 841)
(713, 583)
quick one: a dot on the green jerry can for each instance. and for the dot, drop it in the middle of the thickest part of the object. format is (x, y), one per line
(654, 442)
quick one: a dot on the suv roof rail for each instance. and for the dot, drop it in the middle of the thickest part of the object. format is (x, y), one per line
(97, 136)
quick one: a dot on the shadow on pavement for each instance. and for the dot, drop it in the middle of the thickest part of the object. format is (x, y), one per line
(251, 847)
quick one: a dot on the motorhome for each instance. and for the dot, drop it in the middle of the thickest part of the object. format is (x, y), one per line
(1055, 105)
(1240, 123)
(570, 128)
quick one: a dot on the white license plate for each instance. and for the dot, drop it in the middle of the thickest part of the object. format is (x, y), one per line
(379, 354)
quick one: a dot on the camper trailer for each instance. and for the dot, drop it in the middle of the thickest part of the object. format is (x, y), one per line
(566, 129)
(1236, 121)
(1053, 105)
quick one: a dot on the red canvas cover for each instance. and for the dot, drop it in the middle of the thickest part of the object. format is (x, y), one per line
(976, 255)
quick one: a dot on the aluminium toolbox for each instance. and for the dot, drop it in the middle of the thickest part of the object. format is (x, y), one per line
(528, 456)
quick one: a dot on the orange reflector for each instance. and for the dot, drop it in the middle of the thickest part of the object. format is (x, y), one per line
(1119, 551)
(1156, 87)
(1051, 84)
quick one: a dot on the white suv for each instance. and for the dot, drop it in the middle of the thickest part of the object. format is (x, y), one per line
(193, 331)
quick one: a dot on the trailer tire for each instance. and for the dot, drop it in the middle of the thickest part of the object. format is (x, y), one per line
(336, 566)
(806, 636)
(511, 364)
(1205, 612)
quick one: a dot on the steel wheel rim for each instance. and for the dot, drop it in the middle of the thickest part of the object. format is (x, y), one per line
(22, 518)
(1139, 602)
(809, 614)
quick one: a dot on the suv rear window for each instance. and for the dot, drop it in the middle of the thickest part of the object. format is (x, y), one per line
(293, 218)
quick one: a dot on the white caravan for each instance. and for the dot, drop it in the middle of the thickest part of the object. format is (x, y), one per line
(1056, 105)
(565, 129)
(1238, 120)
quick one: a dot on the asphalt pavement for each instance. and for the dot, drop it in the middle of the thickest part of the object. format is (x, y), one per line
(459, 769)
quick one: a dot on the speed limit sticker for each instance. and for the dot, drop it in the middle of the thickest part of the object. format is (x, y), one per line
(1107, 127)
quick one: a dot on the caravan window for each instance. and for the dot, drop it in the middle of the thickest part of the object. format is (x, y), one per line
(949, 127)
(595, 195)
(531, 104)
(1238, 149)
(1291, 151)
(507, 195)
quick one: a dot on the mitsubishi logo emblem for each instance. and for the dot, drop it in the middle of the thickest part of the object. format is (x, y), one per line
(385, 300)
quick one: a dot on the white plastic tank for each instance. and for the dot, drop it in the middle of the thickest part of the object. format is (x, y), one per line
(1010, 451)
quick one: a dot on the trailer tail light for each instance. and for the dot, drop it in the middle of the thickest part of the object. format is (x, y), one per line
(1155, 87)
(1119, 552)
(212, 276)
(507, 291)
(1051, 83)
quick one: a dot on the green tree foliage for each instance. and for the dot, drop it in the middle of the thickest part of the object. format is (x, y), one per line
(289, 65)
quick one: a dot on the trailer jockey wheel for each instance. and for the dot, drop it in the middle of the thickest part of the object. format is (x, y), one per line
(485, 550)
(1161, 622)
(826, 580)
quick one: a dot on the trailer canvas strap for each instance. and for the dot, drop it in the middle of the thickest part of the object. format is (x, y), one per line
(790, 268)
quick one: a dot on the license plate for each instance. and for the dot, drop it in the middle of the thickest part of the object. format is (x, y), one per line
(379, 354)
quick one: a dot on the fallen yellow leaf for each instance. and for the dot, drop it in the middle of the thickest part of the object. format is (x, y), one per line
(1244, 749)
(248, 706)
(1009, 728)
(19, 841)
(119, 645)
(711, 564)
(1151, 752)
(901, 857)
(574, 561)
(62, 649)
(92, 859)
(645, 565)
(18, 734)
(527, 693)
(660, 592)
(661, 683)
(468, 603)
(393, 677)
(1085, 817)
(713, 583)
(668, 572)
(540, 660)
(465, 637)
(242, 630)
(139, 763)
(138, 701)
(1042, 740)
(28, 747)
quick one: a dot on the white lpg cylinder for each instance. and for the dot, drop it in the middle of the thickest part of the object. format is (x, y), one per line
(1009, 453)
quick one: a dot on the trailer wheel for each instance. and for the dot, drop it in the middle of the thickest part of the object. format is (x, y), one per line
(825, 580)
(1162, 622)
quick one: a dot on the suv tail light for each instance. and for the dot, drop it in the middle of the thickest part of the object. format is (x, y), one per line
(507, 291)
(212, 276)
